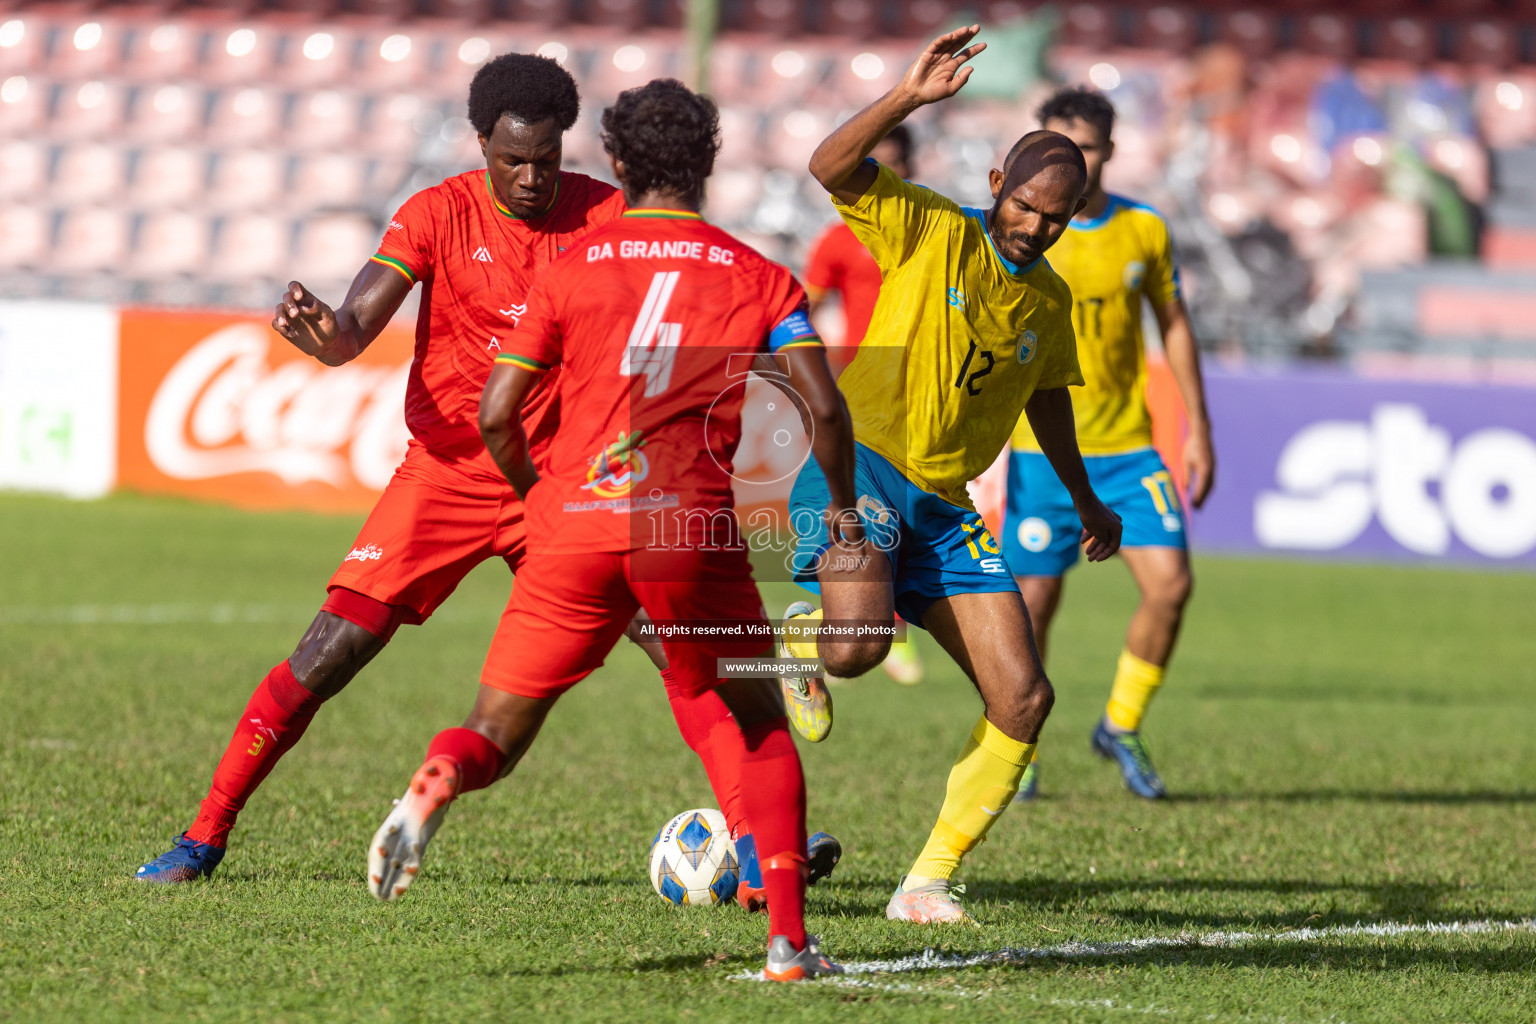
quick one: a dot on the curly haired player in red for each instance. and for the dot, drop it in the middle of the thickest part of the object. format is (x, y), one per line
(632, 506)
(475, 244)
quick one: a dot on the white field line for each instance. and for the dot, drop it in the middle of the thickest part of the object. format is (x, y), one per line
(188, 614)
(152, 614)
(932, 960)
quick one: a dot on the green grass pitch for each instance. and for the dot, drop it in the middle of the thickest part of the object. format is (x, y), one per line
(1345, 745)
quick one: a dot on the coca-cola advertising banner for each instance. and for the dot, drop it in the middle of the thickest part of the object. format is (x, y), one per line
(220, 407)
(1329, 463)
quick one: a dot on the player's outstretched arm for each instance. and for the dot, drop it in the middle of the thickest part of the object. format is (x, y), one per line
(1050, 416)
(1184, 360)
(338, 336)
(937, 74)
(501, 423)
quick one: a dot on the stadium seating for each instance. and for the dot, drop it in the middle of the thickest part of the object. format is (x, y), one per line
(207, 152)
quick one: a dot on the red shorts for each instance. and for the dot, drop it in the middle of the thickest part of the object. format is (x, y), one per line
(435, 521)
(568, 610)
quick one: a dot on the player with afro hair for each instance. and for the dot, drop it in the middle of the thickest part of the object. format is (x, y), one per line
(526, 88)
(667, 138)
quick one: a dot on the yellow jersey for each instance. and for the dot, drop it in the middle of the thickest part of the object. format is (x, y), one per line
(1111, 261)
(959, 340)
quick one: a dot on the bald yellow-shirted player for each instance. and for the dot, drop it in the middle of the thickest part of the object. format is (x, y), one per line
(972, 328)
(1115, 254)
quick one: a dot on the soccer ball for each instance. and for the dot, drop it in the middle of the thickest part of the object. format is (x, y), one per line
(693, 861)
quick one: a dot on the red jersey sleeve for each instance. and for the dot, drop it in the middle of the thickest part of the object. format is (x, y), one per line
(823, 269)
(536, 344)
(409, 241)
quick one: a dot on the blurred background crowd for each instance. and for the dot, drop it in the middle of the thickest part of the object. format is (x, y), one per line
(1351, 181)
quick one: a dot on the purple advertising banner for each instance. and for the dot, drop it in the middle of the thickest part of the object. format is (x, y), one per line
(1326, 463)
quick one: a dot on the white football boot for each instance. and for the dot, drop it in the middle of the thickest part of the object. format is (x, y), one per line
(395, 855)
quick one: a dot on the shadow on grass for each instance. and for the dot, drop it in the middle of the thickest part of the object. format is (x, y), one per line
(1389, 901)
(1365, 796)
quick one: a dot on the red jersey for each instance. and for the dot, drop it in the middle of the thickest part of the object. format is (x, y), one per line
(654, 321)
(838, 262)
(476, 262)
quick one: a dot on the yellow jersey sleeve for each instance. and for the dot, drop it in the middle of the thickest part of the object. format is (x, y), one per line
(894, 218)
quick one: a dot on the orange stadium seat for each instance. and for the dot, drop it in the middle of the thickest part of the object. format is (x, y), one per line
(1486, 43)
(245, 116)
(241, 52)
(169, 176)
(1328, 35)
(250, 245)
(170, 243)
(774, 17)
(329, 180)
(332, 248)
(619, 15)
(542, 12)
(89, 109)
(23, 103)
(856, 19)
(397, 57)
(23, 169)
(87, 45)
(162, 49)
(89, 173)
(1253, 31)
(1166, 27)
(167, 112)
(323, 120)
(1090, 26)
(25, 230)
(1406, 39)
(23, 41)
(91, 238)
(920, 19)
(392, 123)
(247, 179)
(462, 10)
(317, 56)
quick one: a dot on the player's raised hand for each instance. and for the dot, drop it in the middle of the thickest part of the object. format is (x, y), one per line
(1101, 529)
(939, 71)
(309, 324)
(1199, 466)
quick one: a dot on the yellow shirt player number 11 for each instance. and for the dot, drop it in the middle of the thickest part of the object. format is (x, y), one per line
(971, 329)
(1115, 255)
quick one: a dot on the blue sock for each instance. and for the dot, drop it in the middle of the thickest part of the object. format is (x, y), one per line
(746, 859)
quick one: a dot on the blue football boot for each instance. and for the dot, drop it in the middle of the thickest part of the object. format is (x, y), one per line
(186, 861)
(822, 852)
(1128, 751)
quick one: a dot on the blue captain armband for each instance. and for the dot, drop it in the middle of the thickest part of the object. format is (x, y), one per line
(794, 331)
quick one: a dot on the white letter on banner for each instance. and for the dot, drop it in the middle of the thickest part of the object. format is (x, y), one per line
(1319, 506)
(1409, 454)
(1485, 460)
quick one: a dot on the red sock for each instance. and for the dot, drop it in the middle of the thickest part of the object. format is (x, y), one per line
(775, 804)
(277, 715)
(697, 717)
(479, 759)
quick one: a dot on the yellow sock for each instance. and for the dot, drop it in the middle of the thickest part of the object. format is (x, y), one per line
(981, 785)
(1136, 682)
(804, 648)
